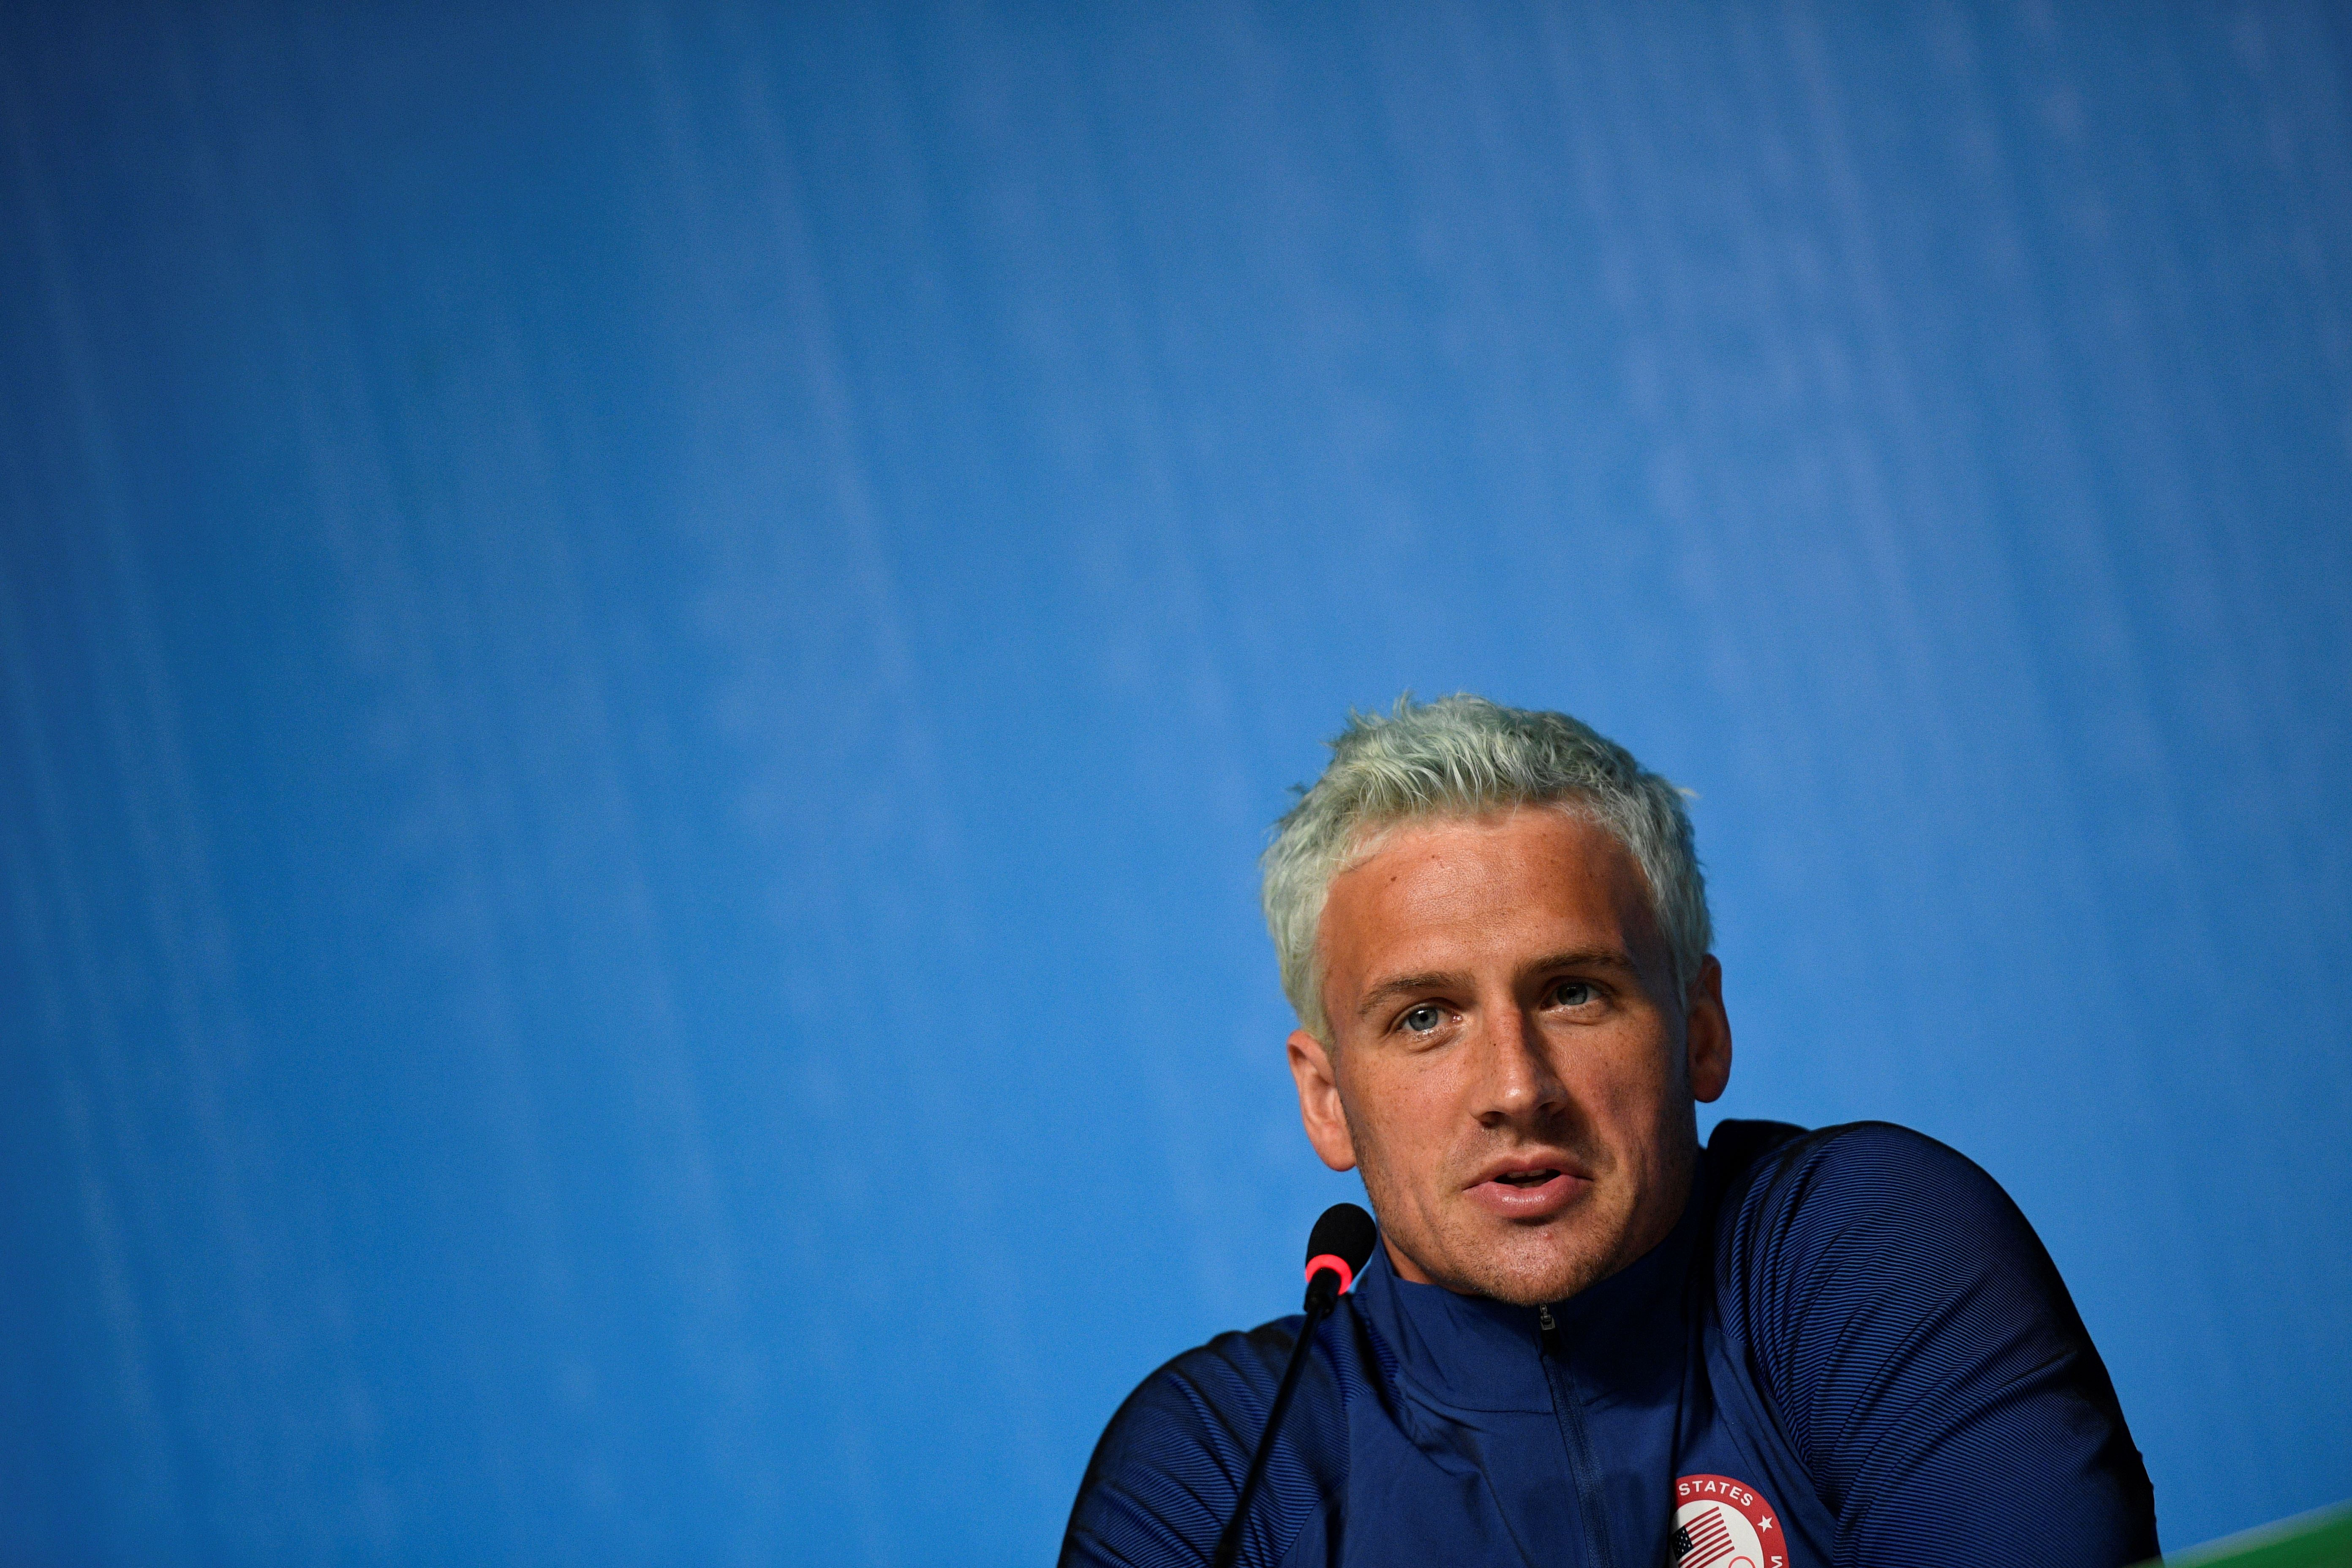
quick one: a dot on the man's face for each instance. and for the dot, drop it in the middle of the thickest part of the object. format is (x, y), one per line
(1510, 1065)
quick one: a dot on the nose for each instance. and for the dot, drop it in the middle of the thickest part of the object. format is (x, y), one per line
(1517, 1080)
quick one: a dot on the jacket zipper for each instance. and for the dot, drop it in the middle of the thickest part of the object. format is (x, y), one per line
(1577, 1443)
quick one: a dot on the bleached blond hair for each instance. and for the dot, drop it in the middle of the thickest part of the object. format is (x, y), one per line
(1464, 756)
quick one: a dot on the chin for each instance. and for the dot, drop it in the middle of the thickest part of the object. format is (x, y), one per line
(1537, 1289)
(1533, 1277)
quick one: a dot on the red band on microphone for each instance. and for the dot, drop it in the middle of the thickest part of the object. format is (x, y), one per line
(1325, 1261)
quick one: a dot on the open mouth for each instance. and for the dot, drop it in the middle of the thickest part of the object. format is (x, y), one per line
(1527, 1192)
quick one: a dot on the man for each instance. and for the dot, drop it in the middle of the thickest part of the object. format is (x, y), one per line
(1582, 1341)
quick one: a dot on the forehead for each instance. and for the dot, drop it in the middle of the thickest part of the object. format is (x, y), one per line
(1456, 891)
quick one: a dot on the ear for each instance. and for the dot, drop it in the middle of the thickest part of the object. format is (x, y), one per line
(1319, 1101)
(1707, 1029)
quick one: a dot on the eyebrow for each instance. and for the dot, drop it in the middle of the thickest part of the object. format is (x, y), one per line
(1399, 985)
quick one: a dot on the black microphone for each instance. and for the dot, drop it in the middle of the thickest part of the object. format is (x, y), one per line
(1337, 1248)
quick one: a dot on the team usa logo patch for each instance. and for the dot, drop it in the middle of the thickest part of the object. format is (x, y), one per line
(1723, 1523)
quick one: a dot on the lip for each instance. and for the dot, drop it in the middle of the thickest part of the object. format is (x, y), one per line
(1506, 1201)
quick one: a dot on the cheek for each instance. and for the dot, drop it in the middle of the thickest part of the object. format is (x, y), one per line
(1400, 1112)
(1633, 1088)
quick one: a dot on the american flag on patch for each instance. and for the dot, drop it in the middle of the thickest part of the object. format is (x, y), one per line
(1703, 1540)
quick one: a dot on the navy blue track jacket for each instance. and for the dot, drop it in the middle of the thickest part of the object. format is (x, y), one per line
(1852, 1350)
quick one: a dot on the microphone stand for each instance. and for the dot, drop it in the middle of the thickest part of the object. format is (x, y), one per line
(1320, 1298)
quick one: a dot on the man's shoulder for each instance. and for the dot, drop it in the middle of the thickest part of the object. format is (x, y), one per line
(1829, 1238)
(1839, 1180)
(1811, 1227)
(1231, 1379)
(1168, 1467)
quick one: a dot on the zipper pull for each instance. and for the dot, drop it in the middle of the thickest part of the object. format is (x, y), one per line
(1543, 1319)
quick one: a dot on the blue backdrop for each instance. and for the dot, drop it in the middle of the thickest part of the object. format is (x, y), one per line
(644, 652)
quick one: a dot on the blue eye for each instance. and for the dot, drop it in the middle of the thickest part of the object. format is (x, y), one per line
(1572, 992)
(1423, 1019)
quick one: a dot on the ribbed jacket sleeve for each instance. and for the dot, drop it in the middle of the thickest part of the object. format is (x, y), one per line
(1924, 1359)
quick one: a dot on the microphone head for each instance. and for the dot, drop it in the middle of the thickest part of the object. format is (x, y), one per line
(1339, 1246)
